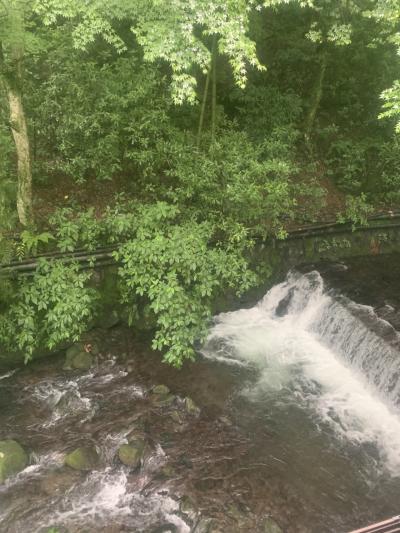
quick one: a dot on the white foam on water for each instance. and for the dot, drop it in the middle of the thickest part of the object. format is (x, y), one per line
(40, 464)
(104, 498)
(64, 399)
(306, 342)
(8, 374)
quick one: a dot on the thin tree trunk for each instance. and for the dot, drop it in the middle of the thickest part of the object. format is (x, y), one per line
(315, 100)
(203, 107)
(214, 89)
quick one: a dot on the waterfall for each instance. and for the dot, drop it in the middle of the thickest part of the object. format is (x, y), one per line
(327, 352)
(354, 332)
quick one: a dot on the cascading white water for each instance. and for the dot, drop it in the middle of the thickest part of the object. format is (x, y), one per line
(322, 350)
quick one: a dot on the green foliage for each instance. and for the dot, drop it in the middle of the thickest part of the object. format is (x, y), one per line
(100, 83)
(326, 245)
(73, 229)
(234, 180)
(348, 164)
(104, 123)
(173, 32)
(173, 265)
(391, 104)
(178, 269)
(388, 171)
(356, 211)
(31, 241)
(267, 112)
(54, 306)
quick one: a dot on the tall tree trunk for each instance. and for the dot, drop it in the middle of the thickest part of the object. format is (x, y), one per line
(315, 99)
(11, 72)
(21, 139)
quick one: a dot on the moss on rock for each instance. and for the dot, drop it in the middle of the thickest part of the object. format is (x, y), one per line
(13, 459)
(78, 358)
(131, 454)
(84, 458)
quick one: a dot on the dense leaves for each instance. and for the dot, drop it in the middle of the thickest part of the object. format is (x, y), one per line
(55, 306)
(205, 125)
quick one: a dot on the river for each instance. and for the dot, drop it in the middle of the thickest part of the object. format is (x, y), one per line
(299, 419)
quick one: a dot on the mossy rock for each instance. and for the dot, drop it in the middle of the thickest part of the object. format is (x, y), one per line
(78, 358)
(160, 390)
(84, 458)
(13, 459)
(131, 454)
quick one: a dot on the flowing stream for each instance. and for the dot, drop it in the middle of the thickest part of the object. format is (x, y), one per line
(299, 421)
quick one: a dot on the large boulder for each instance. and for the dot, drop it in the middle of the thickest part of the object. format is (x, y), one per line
(13, 459)
(83, 458)
(78, 358)
(132, 454)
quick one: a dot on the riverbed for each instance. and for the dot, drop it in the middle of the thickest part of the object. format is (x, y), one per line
(298, 419)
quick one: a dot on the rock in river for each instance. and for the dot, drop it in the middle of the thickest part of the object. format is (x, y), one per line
(13, 459)
(270, 526)
(78, 358)
(84, 458)
(131, 454)
(160, 390)
(191, 407)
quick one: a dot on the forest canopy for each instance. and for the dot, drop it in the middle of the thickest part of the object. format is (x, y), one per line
(179, 133)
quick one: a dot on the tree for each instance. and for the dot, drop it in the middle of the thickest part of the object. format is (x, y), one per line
(172, 31)
(332, 26)
(387, 13)
(13, 37)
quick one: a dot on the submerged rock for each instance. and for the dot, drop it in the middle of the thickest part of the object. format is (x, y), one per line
(13, 459)
(165, 528)
(58, 482)
(131, 454)
(204, 525)
(164, 399)
(84, 458)
(168, 471)
(160, 390)
(79, 358)
(178, 418)
(191, 407)
(270, 526)
(188, 508)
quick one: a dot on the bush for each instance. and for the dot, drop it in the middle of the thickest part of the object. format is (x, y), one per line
(233, 180)
(112, 118)
(54, 306)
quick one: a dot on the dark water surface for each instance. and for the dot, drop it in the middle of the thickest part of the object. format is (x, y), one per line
(295, 421)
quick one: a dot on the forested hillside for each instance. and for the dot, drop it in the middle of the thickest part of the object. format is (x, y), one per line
(180, 132)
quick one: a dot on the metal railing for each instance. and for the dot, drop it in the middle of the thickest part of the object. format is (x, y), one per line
(387, 526)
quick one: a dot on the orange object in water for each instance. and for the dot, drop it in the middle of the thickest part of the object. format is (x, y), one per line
(387, 526)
